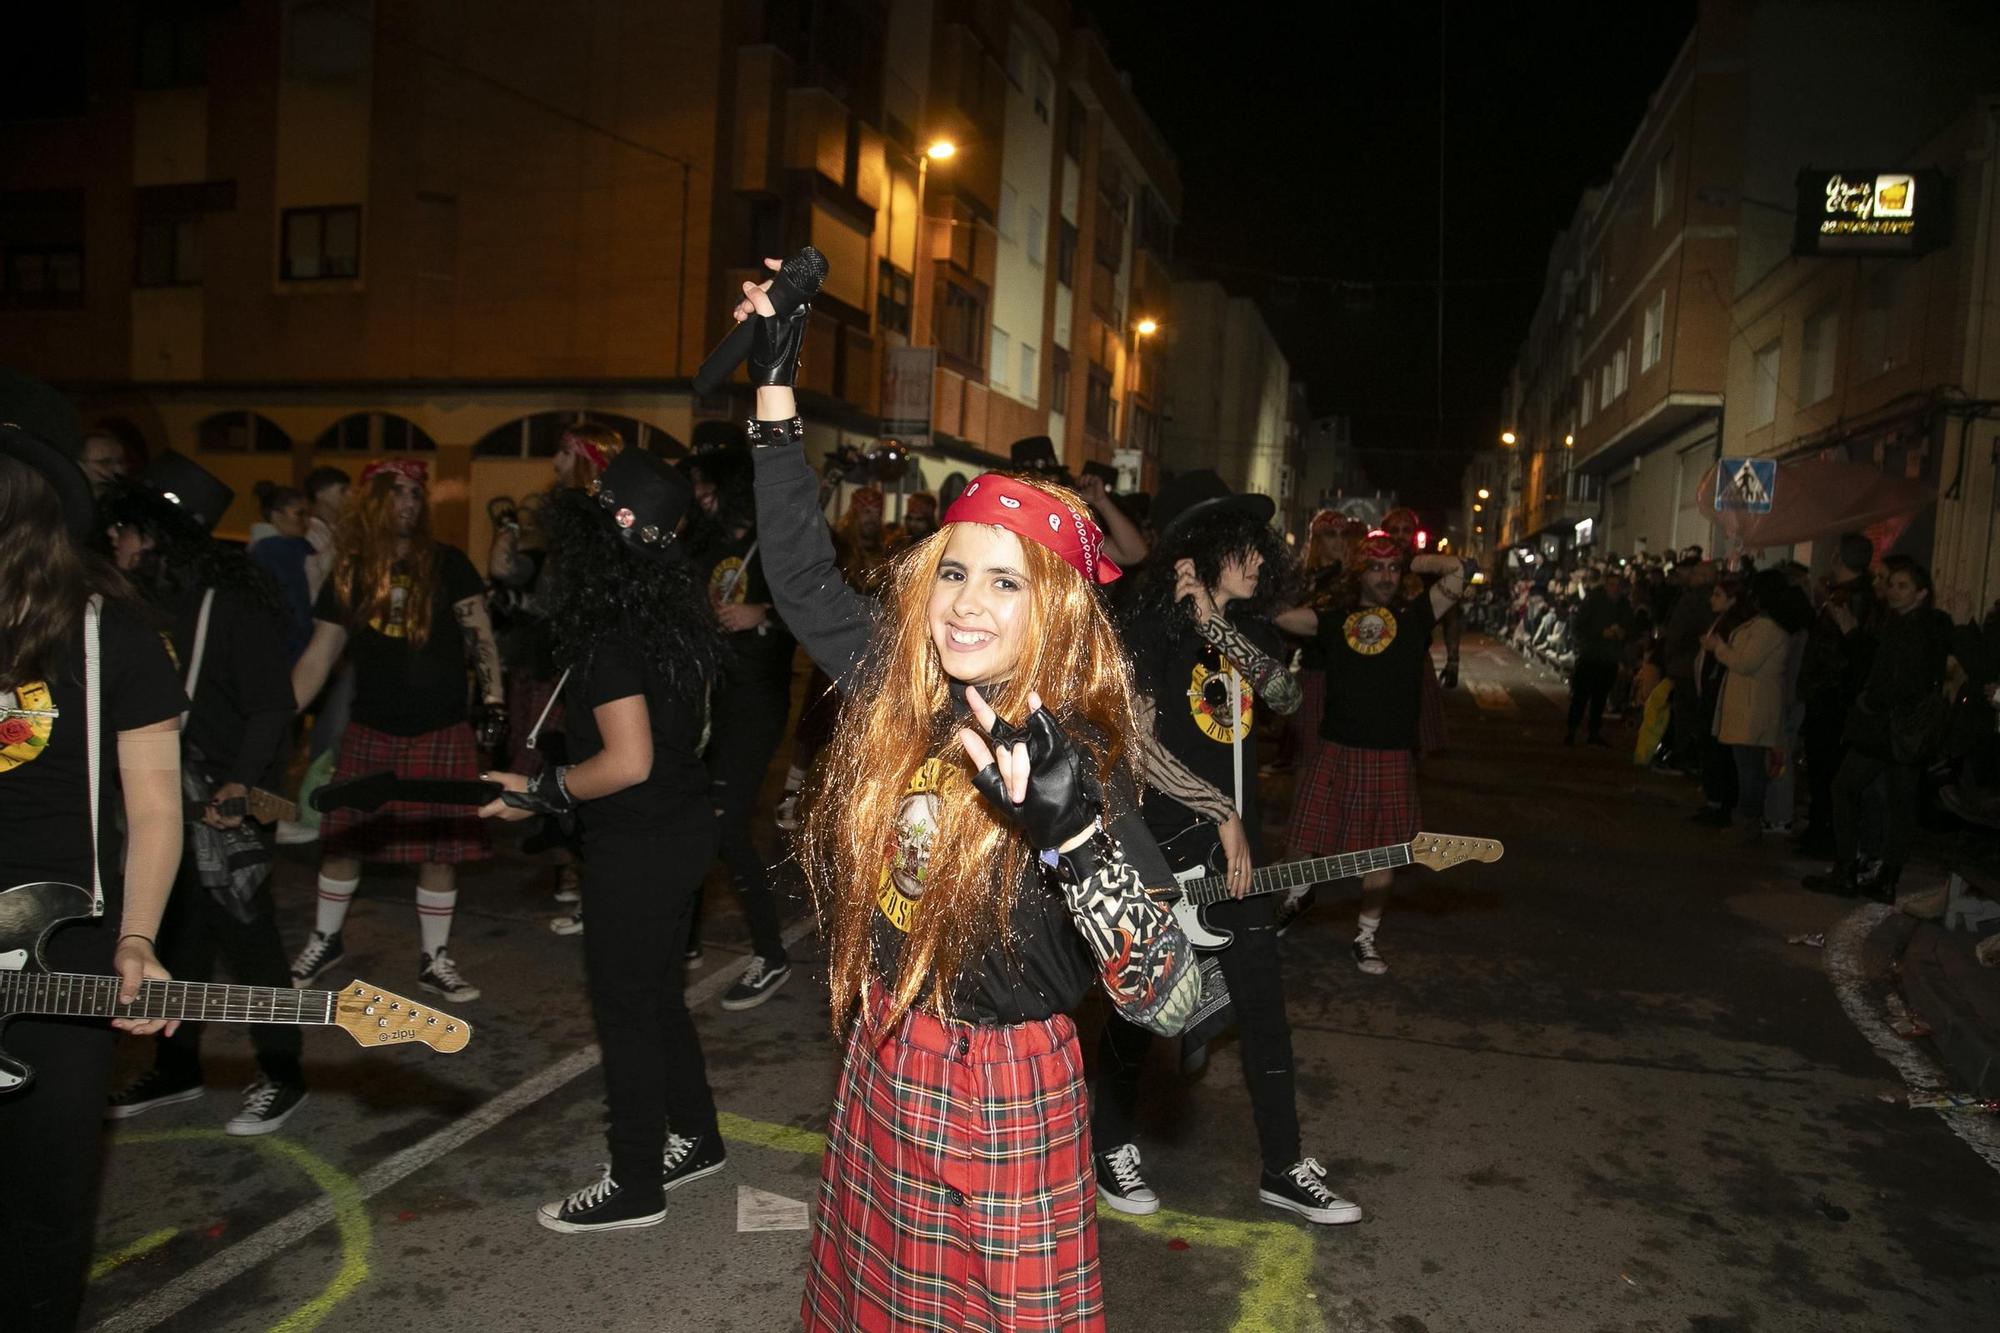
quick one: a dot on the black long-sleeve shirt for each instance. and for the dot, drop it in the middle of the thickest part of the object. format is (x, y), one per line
(243, 708)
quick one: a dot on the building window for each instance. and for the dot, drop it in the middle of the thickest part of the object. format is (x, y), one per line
(172, 50)
(1583, 401)
(892, 298)
(1037, 237)
(1003, 350)
(1097, 414)
(37, 272)
(1663, 184)
(1010, 206)
(1604, 394)
(1066, 254)
(1044, 93)
(1655, 333)
(1875, 340)
(241, 433)
(169, 252)
(321, 243)
(1059, 381)
(961, 325)
(1145, 431)
(1596, 288)
(1621, 371)
(1072, 128)
(1822, 345)
(1030, 384)
(1766, 362)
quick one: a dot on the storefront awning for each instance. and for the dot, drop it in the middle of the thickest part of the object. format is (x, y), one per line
(1816, 498)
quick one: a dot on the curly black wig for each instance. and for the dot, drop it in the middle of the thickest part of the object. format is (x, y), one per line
(598, 587)
(734, 478)
(1153, 618)
(184, 557)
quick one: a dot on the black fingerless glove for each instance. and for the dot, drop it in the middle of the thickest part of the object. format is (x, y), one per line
(1063, 796)
(546, 794)
(775, 345)
(491, 733)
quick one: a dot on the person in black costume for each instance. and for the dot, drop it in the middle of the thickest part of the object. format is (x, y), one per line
(638, 642)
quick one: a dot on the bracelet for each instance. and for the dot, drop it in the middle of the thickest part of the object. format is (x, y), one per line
(134, 936)
(766, 433)
(562, 784)
(1085, 859)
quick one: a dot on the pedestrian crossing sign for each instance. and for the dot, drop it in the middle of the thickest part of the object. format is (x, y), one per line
(1745, 485)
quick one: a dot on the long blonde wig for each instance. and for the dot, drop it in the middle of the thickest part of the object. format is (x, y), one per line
(898, 717)
(365, 563)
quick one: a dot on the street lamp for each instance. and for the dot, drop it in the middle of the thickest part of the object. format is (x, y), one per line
(1569, 441)
(1485, 494)
(941, 149)
(1477, 509)
(1508, 437)
(1148, 327)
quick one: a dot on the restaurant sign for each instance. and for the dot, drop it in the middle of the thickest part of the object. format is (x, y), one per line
(1850, 212)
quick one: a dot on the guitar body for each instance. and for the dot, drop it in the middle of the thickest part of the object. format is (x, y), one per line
(29, 914)
(1195, 853)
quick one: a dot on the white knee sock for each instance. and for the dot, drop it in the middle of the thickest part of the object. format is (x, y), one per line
(1369, 923)
(434, 917)
(335, 897)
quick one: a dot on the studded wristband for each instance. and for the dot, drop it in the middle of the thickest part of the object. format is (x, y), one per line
(763, 434)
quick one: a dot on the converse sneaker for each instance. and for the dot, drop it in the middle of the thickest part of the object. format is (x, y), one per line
(601, 1206)
(569, 884)
(291, 833)
(787, 817)
(693, 953)
(1367, 957)
(150, 1090)
(759, 982)
(320, 953)
(572, 924)
(1120, 1187)
(1301, 1188)
(440, 975)
(266, 1106)
(690, 1159)
(1293, 907)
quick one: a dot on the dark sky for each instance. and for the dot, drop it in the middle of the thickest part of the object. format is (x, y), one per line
(1308, 139)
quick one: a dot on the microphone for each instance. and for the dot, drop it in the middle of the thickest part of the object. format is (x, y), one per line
(795, 284)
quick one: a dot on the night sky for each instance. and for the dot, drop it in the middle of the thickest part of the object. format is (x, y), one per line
(1309, 156)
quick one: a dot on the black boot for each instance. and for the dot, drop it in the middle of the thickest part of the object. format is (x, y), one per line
(1877, 881)
(1841, 878)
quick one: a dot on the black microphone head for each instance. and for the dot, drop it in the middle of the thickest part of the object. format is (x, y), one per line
(803, 272)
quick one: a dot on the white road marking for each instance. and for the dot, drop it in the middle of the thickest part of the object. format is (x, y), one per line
(1920, 1072)
(169, 1300)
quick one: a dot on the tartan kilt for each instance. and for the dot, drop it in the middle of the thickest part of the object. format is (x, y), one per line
(958, 1190)
(1431, 736)
(407, 832)
(1350, 800)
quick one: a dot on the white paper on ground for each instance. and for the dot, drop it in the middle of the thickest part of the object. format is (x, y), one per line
(760, 1210)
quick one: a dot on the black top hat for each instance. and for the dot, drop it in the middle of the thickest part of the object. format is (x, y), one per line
(1190, 495)
(199, 493)
(647, 501)
(39, 427)
(1037, 453)
(72, 488)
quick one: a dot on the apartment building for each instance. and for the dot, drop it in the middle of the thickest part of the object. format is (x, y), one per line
(285, 232)
(1231, 388)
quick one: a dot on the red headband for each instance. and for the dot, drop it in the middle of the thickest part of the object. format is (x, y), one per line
(1381, 547)
(866, 498)
(1038, 516)
(1326, 520)
(588, 448)
(415, 469)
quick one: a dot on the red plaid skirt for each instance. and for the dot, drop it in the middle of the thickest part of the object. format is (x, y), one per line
(958, 1190)
(1350, 800)
(409, 832)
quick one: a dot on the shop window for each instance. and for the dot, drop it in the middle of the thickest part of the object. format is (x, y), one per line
(321, 243)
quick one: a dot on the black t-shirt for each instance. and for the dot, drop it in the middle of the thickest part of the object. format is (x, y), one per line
(44, 767)
(735, 573)
(1189, 684)
(677, 788)
(244, 694)
(402, 690)
(1373, 655)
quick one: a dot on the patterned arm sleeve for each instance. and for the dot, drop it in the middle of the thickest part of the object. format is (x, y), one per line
(1275, 685)
(1145, 962)
(1164, 773)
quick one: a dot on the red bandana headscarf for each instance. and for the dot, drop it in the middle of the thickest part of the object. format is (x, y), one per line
(590, 449)
(415, 469)
(1037, 517)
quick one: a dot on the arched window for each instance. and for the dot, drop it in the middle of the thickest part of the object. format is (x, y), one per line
(537, 436)
(366, 431)
(241, 433)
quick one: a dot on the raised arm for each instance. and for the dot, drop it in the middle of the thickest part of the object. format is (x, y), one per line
(1450, 585)
(1269, 677)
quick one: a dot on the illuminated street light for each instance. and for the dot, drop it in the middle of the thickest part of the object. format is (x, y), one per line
(1147, 328)
(1569, 441)
(940, 150)
(1507, 437)
(1485, 494)
(1478, 509)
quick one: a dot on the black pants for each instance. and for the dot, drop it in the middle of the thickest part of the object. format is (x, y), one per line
(1257, 995)
(1858, 772)
(1685, 716)
(640, 887)
(749, 721)
(196, 931)
(51, 1146)
(1589, 686)
(1820, 736)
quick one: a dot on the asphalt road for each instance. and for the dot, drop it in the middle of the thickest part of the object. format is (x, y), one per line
(1597, 1090)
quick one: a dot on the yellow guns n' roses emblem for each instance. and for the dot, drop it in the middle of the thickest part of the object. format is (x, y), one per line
(1369, 630)
(395, 624)
(27, 719)
(1208, 701)
(902, 886)
(726, 581)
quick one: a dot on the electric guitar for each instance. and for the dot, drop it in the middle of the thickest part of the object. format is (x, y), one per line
(30, 913)
(1202, 871)
(263, 806)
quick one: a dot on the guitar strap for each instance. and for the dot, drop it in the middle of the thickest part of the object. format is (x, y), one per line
(535, 732)
(92, 728)
(196, 653)
(1236, 731)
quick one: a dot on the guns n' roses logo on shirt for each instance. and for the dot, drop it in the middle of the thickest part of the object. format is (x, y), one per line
(393, 625)
(1369, 630)
(27, 720)
(1208, 701)
(726, 582)
(902, 886)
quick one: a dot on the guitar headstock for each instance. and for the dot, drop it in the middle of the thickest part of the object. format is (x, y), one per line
(378, 1018)
(1441, 851)
(268, 807)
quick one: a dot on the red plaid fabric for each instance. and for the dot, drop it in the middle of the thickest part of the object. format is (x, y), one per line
(1431, 736)
(409, 832)
(958, 1190)
(1350, 799)
(529, 695)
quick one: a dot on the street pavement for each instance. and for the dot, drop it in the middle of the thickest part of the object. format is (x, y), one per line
(1597, 1090)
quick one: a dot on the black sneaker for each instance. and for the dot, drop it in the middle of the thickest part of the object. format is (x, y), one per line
(759, 982)
(151, 1090)
(1301, 1188)
(1367, 957)
(1294, 907)
(320, 953)
(1120, 1187)
(690, 1159)
(602, 1206)
(438, 974)
(266, 1106)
